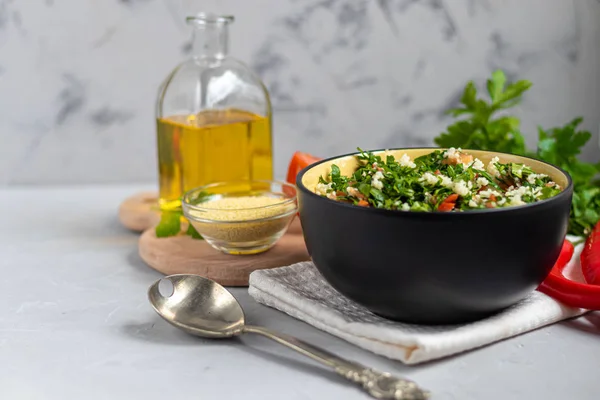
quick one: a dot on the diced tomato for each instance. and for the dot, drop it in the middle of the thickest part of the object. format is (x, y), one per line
(437, 172)
(363, 203)
(448, 203)
(492, 197)
(446, 207)
(451, 199)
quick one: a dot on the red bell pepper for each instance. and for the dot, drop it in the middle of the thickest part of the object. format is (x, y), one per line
(569, 292)
(298, 163)
(590, 257)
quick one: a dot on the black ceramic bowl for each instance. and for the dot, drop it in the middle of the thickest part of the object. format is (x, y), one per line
(434, 267)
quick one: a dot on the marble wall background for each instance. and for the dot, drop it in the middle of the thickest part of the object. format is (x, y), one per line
(78, 78)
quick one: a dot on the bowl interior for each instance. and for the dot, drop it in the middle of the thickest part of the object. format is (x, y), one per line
(349, 163)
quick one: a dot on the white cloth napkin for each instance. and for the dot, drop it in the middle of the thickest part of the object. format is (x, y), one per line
(300, 291)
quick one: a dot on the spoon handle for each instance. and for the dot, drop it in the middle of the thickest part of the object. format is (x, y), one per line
(380, 385)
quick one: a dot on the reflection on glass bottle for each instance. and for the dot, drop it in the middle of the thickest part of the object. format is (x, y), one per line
(213, 117)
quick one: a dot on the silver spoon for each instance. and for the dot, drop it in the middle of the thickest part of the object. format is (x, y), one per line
(202, 307)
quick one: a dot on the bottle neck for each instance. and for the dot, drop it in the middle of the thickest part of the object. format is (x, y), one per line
(210, 40)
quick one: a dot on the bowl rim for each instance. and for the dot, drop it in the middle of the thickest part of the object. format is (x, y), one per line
(565, 192)
(186, 206)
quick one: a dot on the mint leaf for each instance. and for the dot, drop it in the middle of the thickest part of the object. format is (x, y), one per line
(191, 231)
(169, 225)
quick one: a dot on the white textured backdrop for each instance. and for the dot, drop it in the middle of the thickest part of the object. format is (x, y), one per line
(78, 78)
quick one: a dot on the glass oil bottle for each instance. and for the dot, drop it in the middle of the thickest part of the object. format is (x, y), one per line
(213, 117)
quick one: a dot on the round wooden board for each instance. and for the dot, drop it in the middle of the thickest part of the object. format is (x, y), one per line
(138, 212)
(184, 255)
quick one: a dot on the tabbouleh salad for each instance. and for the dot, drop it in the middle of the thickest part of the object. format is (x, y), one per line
(449, 180)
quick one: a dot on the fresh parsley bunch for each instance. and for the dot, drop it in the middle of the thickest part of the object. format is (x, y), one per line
(482, 128)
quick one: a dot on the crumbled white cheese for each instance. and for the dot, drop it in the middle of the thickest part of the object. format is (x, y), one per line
(460, 188)
(452, 154)
(376, 181)
(491, 167)
(515, 195)
(520, 191)
(405, 207)
(481, 182)
(488, 193)
(516, 201)
(405, 161)
(364, 174)
(553, 184)
(322, 188)
(429, 178)
(332, 196)
(354, 192)
(477, 164)
(473, 204)
(446, 181)
(502, 201)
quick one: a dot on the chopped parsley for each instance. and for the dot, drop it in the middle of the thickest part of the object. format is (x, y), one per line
(440, 181)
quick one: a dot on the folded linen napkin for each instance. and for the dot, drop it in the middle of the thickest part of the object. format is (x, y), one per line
(300, 291)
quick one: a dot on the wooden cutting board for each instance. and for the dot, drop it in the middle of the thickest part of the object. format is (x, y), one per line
(139, 212)
(184, 255)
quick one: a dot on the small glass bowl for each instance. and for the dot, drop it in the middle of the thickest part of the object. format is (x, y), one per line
(247, 226)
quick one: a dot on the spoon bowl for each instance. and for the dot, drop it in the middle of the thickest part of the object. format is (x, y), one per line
(198, 306)
(202, 307)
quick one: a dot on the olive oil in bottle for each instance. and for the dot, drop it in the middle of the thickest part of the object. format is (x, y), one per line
(213, 117)
(211, 146)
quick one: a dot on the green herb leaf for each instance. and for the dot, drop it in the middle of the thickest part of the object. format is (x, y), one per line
(481, 129)
(335, 172)
(495, 86)
(377, 194)
(169, 225)
(191, 231)
(364, 188)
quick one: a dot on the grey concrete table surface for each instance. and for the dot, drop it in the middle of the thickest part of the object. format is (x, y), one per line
(75, 323)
